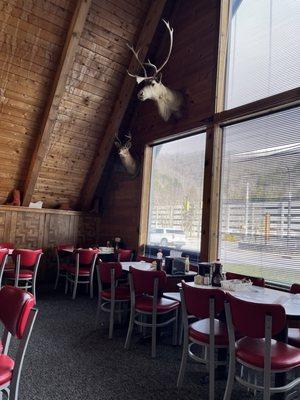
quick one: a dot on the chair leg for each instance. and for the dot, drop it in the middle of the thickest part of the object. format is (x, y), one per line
(175, 329)
(153, 339)
(230, 378)
(111, 319)
(56, 280)
(66, 284)
(211, 374)
(183, 361)
(91, 288)
(130, 329)
(75, 288)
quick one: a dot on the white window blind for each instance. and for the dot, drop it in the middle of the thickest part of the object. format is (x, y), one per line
(175, 210)
(264, 49)
(260, 197)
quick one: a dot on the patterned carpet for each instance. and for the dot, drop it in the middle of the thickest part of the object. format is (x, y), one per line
(68, 359)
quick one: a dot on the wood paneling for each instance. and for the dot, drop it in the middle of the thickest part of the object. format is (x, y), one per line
(34, 228)
(32, 37)
(192, 67)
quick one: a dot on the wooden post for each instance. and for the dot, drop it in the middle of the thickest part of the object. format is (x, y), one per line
(145, 198)
(106, 144)
(51, 109)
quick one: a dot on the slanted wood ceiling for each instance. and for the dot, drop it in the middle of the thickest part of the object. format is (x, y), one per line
(32, 36)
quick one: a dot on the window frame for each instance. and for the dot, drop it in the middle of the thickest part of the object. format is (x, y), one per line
(146, 180)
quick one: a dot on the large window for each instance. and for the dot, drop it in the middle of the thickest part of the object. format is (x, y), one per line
(175, 210)
(260, 206)
(264, 49)
(259, 221)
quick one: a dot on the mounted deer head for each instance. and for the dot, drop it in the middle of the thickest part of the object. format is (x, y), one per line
(167, 100)
(127, 160)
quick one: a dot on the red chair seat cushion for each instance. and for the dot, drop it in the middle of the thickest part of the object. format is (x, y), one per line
(144, 303)
(24, 274)
(6, 367)
(200, 331)
(294, 337)
(82, 271)
(121, 293)
(283, 356)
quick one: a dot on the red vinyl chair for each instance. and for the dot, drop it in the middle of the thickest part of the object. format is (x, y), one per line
(294, 330)
(7, 245)
(18, 316)
(255, 281)
(3, 260)
(146, 259)
(124, 255)
(113, 297)
(62, 255)
(146, 301)
(82, 270)
(25, 270)
(256, 350)
(208, 332)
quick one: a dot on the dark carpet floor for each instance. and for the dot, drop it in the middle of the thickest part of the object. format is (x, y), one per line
(68, 359)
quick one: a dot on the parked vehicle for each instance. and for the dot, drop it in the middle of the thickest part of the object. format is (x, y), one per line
(167, 237)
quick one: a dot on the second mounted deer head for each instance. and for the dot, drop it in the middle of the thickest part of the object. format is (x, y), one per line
(127, 160)
(167, 100)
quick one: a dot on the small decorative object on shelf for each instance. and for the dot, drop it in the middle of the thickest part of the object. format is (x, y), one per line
(217, 274)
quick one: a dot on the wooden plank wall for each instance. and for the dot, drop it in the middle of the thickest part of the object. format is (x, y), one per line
(35, 228)
(32, 34)
(192, 67)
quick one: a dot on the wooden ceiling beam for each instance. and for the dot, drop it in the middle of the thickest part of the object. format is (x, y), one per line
(57, 90)
(152, 19)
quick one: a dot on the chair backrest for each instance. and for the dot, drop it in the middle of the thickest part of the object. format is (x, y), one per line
(28, 257)
(295, 288)
(7, 245)
(3, 255)
(124, 255)
(15, 307)
(255, 281)
(86, 256)
(143, 281)
(248, 318)
(146, 259)
(105, 268)
(197, 300)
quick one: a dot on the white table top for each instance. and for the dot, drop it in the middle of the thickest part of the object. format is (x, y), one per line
(257, 294)
(102, 250)
(143, 266)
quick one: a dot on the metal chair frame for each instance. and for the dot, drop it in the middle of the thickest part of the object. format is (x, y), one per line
(2, 267)
(12, 388)
(73, 278)
(30, 283)
(267, 389)
(209, 348)
(154, 314)
(60, 273)
(108, 305)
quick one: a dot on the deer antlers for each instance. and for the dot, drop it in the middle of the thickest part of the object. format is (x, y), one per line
(119, 144)
(156, 69)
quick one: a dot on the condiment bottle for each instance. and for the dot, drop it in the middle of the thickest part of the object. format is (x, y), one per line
(217, 274)
(187, 264)
(206, 280)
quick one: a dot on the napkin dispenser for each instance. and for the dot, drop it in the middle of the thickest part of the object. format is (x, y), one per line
(205, 268)
(175, 265)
